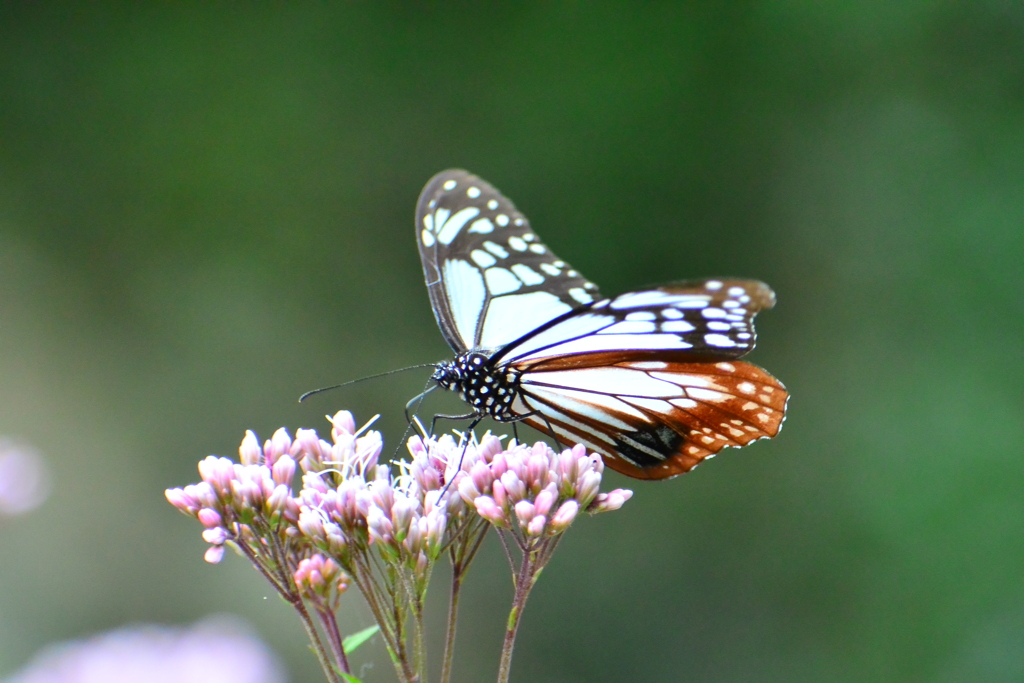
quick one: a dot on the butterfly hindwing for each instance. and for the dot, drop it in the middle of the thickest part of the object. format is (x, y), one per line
(490, 279)
(653, 419)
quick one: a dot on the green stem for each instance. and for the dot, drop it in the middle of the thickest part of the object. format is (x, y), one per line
(524, 583)
(449, 636)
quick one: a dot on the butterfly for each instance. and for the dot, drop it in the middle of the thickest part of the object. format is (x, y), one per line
(649, 379)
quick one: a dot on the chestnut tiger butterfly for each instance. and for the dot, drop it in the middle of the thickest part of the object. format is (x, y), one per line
(648, 379)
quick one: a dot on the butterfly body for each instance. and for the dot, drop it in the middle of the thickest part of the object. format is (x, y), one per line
(648, 379)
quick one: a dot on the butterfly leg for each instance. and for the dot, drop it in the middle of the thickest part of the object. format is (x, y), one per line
(462, 456)
(467, 416)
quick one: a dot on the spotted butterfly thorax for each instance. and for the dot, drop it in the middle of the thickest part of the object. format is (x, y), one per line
(648, 379)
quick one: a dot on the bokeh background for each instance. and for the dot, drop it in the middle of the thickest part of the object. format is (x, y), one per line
(206, 210)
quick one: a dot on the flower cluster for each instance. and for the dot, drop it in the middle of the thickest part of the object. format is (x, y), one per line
(382, 528)
(536, 492)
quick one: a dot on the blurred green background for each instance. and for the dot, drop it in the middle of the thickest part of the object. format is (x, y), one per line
(206, 210)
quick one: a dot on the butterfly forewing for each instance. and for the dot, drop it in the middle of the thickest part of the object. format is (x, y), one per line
(653, 419)
(707, 319)
(489, 277)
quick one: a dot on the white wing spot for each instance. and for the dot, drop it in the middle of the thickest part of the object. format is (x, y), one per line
(683, 403)
(671, 314)
(736, 291)
(428, 238)
(738, 423)
(762, 417)
(549, 269)
(728, 367)
(492, 204)
(473, 192)
(650, 365)
(482, 225)
(641, 315)
(719, 340)
(450, 185)
(573, 273)
(519, 221)
(707, 439)
(580, 295)
(730, 304)
(631, 327)
(537, 248)
(706, 394)
(501, 219)
(501, 281)
(719, 327)
(677, 326)
(527, 274)
(746, 387)
(529, 237)
(767, 390)
(743, 335)
(517, 243)
(713, 285)
(482, 258)
(713, 313)
(453, 226)
(495, 249)
(749, 405)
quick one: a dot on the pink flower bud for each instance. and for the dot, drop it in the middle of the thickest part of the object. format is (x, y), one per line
(278, 445)
(277, 500)
(515, 489)
(536, 526)
(343, 423)
(249, 452)
(284, 470)
(416, 448)
(613, 500)
(545, 499)
(467, 489)
(498, 494)
(216, 536)
(183, 501)
(489, 510)
(311, 524)
(203, 493)
(368, 449)
(499, 465)
(490, 445)
(564, 517)
(525, 511)
(210, 518)
(402, 513)
(214, 554)
(588, 486)
(537, 470)
(218, 473)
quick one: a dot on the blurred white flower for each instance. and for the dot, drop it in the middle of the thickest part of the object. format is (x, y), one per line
(215, 650)
(24, 478)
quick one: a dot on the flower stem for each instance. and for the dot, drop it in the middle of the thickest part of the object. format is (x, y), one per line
(524, 583)
(449, 636)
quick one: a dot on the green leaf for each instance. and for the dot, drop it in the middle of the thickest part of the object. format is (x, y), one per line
(354, 640)
(349, 678)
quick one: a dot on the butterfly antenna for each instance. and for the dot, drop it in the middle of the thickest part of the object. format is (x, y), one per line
(361, 379)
